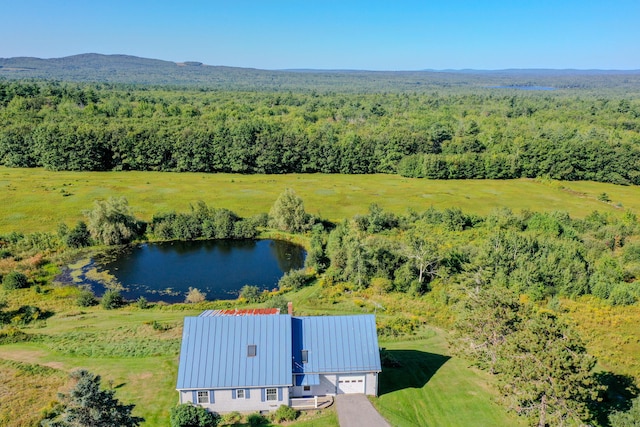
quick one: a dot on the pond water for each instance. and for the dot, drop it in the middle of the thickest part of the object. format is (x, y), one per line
(219, 268)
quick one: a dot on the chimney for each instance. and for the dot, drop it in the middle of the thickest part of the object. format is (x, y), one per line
(290, 308)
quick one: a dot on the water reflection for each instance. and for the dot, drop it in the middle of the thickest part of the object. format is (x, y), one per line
(165, 271)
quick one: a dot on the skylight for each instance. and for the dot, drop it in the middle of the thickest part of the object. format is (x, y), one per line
(252, 350)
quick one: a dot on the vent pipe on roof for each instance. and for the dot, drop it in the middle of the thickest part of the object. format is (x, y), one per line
(290, 308)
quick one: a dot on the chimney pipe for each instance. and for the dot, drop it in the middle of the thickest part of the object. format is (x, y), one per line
(290, 308)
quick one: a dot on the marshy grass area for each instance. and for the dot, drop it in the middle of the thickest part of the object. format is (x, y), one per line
(39, 200)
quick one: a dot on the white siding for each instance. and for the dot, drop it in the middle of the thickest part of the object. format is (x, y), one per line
(224, 401)
(327, 386)
(371, 383)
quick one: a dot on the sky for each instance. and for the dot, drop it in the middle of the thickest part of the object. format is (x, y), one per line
(328, 34)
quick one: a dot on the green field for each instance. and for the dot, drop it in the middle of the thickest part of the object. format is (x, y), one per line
(38, 200)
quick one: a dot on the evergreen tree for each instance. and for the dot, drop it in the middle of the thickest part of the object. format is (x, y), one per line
(89, 406)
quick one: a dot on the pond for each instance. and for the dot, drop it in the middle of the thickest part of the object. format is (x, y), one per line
(219, 268)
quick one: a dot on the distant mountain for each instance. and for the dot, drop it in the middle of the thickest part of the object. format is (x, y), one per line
(126, 69)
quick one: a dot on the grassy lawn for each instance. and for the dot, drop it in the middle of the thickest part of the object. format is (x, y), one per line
(38, 200)
(433, 389)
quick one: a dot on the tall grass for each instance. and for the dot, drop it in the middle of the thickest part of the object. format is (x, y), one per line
(31, 198)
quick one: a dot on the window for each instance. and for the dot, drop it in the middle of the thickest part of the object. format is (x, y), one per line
(203, 397)
(305, 356)
(252, 350)
(240, 394)
(307, 388)
(272, 394)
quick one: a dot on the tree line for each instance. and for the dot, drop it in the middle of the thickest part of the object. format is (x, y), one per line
(443, 135)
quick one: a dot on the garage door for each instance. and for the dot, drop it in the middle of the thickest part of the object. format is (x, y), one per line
(350, 384)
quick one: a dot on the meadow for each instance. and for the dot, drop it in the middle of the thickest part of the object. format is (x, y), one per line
(136, 350)
(39, 200)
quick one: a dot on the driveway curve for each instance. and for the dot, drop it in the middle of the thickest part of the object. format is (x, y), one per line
(355, 410)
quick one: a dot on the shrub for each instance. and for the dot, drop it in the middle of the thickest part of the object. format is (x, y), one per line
(112, 299)
(285, 413)
(623, 294)
(294, 279)
(256, 420)
(278, 301)
(86, 299)
(232, 418)
(142, 303)
(79, 236)
(250, 293)
(15, 280)
(188, 415)
(26, 314)
(194, 296)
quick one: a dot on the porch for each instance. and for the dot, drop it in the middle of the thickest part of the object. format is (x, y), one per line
(308, 403)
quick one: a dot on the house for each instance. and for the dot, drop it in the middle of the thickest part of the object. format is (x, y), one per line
(257, 362)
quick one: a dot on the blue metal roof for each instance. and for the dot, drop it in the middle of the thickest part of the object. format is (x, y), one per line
(214, 352)
(335, 344)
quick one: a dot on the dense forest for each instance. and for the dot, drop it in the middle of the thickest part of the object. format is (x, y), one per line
(487, 133)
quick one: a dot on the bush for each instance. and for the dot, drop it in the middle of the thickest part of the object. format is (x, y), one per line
(188, 415)
(15, 280)
(279, 302)
(142, 303)
(285, 413)
(294, 279)
(79, 236)
(256, 420)
(250, 293)
(86, 299)
(232, 418)
(26, 314)
(623, 294)
(194, 296)
(112, 299)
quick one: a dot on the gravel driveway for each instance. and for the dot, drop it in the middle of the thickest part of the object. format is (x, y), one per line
(355, 410)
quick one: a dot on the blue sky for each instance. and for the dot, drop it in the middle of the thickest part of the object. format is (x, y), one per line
(328, 34)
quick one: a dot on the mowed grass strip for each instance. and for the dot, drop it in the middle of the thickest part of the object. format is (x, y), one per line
(38, 200)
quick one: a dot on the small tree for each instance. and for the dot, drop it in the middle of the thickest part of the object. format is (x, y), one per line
(89, 406)
(111, 222)
(188, 415)
(288, 214)
(79, 236)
